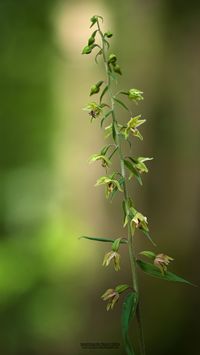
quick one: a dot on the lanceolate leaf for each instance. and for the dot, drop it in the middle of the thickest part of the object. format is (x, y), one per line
(154, 271)
(106, 115)
(111, 155)
(133, 170)
(105, 148)
(106, 240)
(114, 133)
(122, 104)
(124, 208)
(148, 236)
(128, 311)
(107, 43)
(99, 53)
(149, 254)
(103, 93)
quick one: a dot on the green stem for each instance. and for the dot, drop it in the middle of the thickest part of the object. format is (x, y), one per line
(126, 197)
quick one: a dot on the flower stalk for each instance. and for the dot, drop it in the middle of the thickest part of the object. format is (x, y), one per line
(117, 182)
(126, 197)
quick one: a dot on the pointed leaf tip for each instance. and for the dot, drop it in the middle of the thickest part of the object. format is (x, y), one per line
(154, 271)
(128, 311)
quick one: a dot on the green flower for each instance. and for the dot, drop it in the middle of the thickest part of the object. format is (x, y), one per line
(94, 109)
(112, 295)
(132, 125)
(162, 261)
(135, 95)
(140, 221)
(140, 166)
(110, 183)
(105, 162)
(112, 255)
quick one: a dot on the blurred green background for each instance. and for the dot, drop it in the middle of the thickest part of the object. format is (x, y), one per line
(51, 282)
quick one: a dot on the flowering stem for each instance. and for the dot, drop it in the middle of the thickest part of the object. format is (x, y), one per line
(126, 198)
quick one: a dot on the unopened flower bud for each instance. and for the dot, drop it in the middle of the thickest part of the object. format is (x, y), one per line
(108, 34)
(117, 69)
(112, 59)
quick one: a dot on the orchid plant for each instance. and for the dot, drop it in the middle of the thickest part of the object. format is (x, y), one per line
(103, 110)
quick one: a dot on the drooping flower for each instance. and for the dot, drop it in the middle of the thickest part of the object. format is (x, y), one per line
(135, 95)
(112, 255)
(162, 261)
(105, 161)
(140, 221)
(140, 166)
(110, 183)
(132, 125)
(94, 109)
(112, 295)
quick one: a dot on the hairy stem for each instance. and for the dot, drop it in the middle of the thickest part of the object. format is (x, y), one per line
(126, 197)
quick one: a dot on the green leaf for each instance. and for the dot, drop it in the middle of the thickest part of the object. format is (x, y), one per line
(108, 130)
(116, 244)
(105, 148)
(99, 53)
(106, 240)
(124, 209)
(103, 93)
(114, 133)
(111, 155)
(105, 116)
(154, 271)
(146, 233)
(149, 254)
(133, 171)
(122, 104)
(121, 288)
(128, 311)
(107, 43)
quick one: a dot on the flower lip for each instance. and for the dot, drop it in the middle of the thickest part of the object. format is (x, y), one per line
(162, 261)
